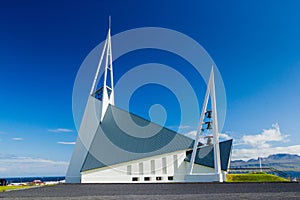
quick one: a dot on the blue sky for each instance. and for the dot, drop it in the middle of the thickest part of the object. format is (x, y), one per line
(255, 45)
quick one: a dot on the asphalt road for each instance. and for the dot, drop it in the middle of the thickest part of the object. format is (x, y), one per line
(208, 191)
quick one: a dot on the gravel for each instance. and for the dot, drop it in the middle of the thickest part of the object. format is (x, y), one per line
(208, 191)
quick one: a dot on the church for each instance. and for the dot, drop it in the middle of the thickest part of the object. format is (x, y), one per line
(110, 149)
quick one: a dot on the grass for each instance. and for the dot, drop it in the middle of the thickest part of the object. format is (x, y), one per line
(254, 177)
(13, 187)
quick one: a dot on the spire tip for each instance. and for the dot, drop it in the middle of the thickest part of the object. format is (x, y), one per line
(109, 21)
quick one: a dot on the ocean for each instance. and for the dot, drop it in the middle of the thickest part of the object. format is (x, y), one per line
(30, 179)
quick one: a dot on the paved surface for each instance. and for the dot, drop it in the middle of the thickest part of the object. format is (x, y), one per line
(208, 191)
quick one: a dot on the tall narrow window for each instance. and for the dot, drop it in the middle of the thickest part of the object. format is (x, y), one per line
(164, 165)
(141, 168)
(152, 166)
(175, 162)
(128, 169)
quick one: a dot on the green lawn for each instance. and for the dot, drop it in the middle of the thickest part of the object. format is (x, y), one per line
(7, 188)
(254, 177)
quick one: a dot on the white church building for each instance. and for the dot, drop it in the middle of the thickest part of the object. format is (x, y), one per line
(109, 149)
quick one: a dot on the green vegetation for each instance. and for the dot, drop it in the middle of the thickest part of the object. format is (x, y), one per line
(13, 187)
(254, 177)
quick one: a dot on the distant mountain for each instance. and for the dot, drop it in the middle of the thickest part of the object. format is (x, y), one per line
(283, 162)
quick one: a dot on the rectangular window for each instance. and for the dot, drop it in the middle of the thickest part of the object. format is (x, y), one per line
(128, 169)
(159, 178)
(170, 178)
(135, 179)
(146, 178)
(152, 166)
(175, 160)
(141, 168)
(164, 164)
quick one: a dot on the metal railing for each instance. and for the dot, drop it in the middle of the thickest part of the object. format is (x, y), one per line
(269, 170)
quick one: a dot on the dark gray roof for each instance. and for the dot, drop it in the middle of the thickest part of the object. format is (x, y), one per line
(116, 141)
(205, 155)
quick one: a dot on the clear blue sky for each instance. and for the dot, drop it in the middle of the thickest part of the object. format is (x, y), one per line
(255, 45)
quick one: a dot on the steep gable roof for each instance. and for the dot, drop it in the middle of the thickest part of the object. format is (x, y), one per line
(117, 140)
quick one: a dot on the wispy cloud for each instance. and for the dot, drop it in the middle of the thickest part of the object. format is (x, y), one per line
(261, 145)
(249, 153)
(12, 165)
(191, 134)
(184, 127)
(263, 140)
(61, 130)
(67, 143)
(225, 136)
(252, 146)
(2, 169)
(17, 139)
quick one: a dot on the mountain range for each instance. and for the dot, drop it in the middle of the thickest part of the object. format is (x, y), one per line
(282, 162)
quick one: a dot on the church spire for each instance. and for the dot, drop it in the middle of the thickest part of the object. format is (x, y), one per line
(107, 91)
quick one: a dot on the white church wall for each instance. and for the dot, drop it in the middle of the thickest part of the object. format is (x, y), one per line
(141, 170)
(167, 168)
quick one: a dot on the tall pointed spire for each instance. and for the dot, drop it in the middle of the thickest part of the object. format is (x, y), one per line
(107, 91)
(210, 92)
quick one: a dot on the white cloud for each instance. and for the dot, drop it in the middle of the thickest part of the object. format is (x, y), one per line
(68, 143)
(224, 136)
(61, 130)
(17, 139)
(11, 165)
(260, 145)
(2, 169)
(191, 134)
(249, 153)
(262, 140)
(184, 127)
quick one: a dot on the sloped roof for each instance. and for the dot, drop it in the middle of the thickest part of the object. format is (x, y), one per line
(205, 155)
(117, 140)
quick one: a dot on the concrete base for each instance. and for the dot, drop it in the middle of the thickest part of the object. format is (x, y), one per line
(73, 179)
(205, 177)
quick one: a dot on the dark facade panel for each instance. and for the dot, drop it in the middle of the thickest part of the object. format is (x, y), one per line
(205, 155)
